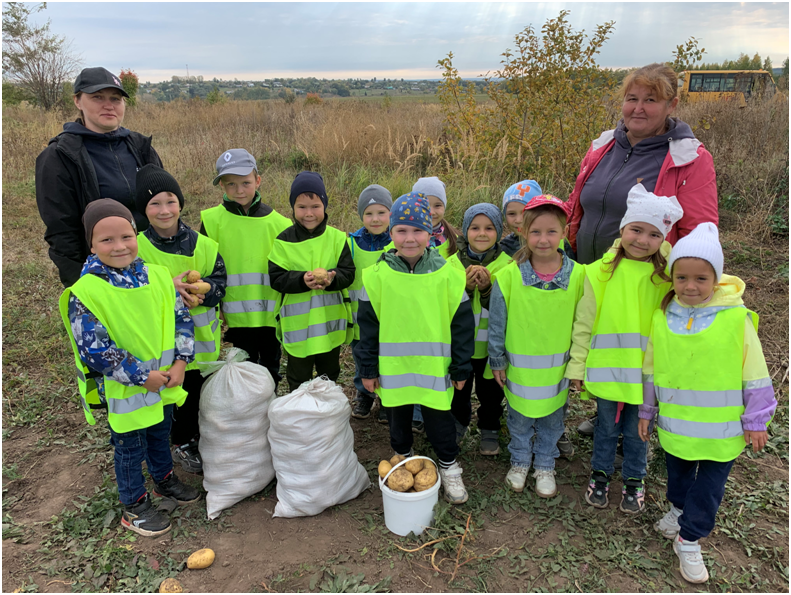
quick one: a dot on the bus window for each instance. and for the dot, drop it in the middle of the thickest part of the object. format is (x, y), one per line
(711, 82)
(729, 83)
(744, 83)
(696, 83)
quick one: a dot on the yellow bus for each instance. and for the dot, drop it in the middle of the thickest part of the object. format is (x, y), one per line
(724, 85)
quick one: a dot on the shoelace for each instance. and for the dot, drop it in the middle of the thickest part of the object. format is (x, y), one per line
(691, 553)
(543, 474)
(453, 478)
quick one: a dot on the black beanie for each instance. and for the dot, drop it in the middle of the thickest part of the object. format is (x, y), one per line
(101, 209)
(150, 181)
(308, 181)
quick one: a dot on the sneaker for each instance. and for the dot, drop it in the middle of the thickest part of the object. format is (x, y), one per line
(189, 457)
(598, 487)
(690, 560)
(565, 446)
(453, 485)
(632, 496)
(142, 518)
(461, 432)
(382, 416)
(490, 443)
(173, 487)
(586, 428)
(418, 427)
(668, 524)
(516, 478)
(545, 482)
(362, 408)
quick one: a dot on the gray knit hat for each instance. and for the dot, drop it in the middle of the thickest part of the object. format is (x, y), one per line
(374, 195)
(432, 186)
(484, 208)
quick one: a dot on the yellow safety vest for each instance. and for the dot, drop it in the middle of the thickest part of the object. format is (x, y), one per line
(362, 260)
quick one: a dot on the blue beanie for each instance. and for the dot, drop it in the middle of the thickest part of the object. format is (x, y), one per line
(411, 209)
(522, 192)
(308, 181)
(487, 209)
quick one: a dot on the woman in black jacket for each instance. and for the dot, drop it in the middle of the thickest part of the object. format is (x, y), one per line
(94, 157)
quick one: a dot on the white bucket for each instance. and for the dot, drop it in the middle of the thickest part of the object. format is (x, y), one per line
(409, 512)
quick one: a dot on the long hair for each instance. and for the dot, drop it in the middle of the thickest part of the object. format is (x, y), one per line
(659, 262)
(525, 253)
(451, 234)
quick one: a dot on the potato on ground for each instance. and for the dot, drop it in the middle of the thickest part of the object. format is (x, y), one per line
(414, 466)
(425, 479)
(170, 585)
(384, 468)
(400, 480)
(201, 559)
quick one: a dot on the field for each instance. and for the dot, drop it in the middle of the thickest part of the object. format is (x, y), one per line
(61, 528)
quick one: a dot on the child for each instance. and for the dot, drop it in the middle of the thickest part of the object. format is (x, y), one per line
(132, 339)
(479, 247)
(416, 337)
(245, 229)
(314, 314)
(611, 329)
(705, 366)
(367, 245)
(169, 242)
(532, 311)
(514, 201)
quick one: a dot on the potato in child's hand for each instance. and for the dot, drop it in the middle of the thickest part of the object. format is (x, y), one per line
(201, 288)
(192, 277)
(321, 276)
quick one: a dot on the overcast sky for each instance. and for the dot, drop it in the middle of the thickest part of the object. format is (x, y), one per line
(392, 40)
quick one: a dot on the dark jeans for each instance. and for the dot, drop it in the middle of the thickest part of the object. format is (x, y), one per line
(300, 369)
(185, 418)
(605, 440)
(697, 488)
(440, 431)
(261, 344)
(490, 396)
(151, 445)
(362, 395)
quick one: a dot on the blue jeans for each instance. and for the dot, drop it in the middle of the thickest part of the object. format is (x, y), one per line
(605, 440)
(151, 444)
(697, 488)
(417, 414)
(362, 394)
(547, 431)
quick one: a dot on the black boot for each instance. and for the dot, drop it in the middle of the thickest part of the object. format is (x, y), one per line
(173, 487)
(141, 517)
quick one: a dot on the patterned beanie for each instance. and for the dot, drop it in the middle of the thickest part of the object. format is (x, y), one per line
(646, 207)
(487, 209)
(411, 209)
(521, 192)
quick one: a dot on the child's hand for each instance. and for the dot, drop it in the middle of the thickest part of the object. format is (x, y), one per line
(642, 429)
(330, 277)
(579, 385)
(182, 288)
(459, 384)
(176, 373)
(371, 384)
(156, 380)
(310, 281)
(484, 278)
(472, 279)
(758, 439)
(499, 376)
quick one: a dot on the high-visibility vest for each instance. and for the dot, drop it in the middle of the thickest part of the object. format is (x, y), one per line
(625, 303)
(314, 321)
(415, 314)
(362, 260)
(538, 340)
(207, 325)
(245, 244)
(142, 321)
(698, 383)
(444, 250)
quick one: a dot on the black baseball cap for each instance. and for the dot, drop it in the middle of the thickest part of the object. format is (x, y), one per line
(95, 79)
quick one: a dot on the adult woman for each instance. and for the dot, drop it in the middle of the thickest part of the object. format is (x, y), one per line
(647, 146)
(92, 158)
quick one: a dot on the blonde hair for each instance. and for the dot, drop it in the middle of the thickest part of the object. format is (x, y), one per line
(525, 253)
(659, 262)
(660, 78)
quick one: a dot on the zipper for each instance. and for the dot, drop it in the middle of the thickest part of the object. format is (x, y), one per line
(121, 169)
(604, 197)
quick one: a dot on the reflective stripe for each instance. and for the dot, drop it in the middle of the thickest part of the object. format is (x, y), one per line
(625, 375)
(133, 403)
(315, 330)
(440, 384)
(700, 398)
(484, 313)
(354, 317)
(407, 349)
(477, 317)
(84, 403)
(205, 347)
(354, 294)
(701, 429)
(620, 341)
(483, 335)
(214, 325)
(204, 318)
(244, 306)
(248, 279)
(753, 384)
(362, 295)
(465, 298)
(156, 364)
(537, 362)
(316, 301)
(80, 375)
(535, 393)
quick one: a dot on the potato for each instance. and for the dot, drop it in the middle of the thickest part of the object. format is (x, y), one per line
(425, 479)
(191, 302)
(384, 468)
(192, 277)
(170, 585)
(396, 459)
(429, 465)
(321, 276)
(201, 559)
(400, 480)
(201, 288)
(414, 466)
(474, 268)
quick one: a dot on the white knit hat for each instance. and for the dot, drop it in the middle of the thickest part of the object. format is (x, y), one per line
(646, 207)
(704, 243)
(432, 186)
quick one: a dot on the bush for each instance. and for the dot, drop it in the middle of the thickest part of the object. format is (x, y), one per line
(130, 83)
(313, 99)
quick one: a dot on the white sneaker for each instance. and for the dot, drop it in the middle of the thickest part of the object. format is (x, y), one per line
(516, 478)
(453, 485)
(545, 483)
(691, 561)
(668, 524)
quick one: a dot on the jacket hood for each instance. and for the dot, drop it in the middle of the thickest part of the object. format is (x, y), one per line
(80, 130)
(664, 249)
(728, 294)
(430, 261)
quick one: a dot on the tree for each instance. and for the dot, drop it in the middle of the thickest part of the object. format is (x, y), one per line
(768, 65)
(782, 81)
(215, 95)
(686, 55)
(35, 59)
(130, 83)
